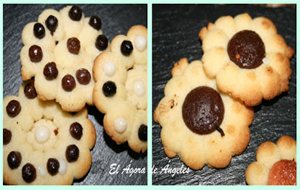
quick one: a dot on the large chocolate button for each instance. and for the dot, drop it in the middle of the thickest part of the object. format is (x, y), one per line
(35, 53)
(13, 108)
(51, 23)
(76, 130)
(72, 153)
(83, 76)
(29, 90)
(203, 110)
(52, 166)
(50, 71)
(126, 47)
(75, 13)
(14, 159)
(73, 45)
(28, 173)
(39, 30)
(6, 136)
(101, 42)
(68, 83)
(246, 49)
(143, 132)
(95, 22)
(109, 89)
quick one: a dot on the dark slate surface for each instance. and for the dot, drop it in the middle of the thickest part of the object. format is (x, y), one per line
(116, 19)
(175, 35)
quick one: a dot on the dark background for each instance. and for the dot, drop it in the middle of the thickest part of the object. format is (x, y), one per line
(175, 35)
(116, 19)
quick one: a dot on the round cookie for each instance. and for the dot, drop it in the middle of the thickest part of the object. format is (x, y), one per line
(43, 144)
(275, 165)
(248, 58)
(199, 124)
(120, 90)
(59, 51)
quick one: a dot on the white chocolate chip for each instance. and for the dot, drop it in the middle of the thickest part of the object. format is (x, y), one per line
(62, 166)
(42, 134)
(140, 43)
(139, 88)
(265, 60)
(42, 170)
(120, 125)
(109, 68)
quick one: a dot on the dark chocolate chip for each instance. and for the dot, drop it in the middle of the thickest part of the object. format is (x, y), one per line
(35, 53)
(101, 42)
(52, 166)
(246, 49)
(83, 76)
(13, 108)
(109, 89)
(95, 22)
(39, 30)
(72, 153)
(51, 23)
(50, 71)
(29, 90)
(143, 132)
(76, 130)
(14, 159)
(203, 110)
(126, 47)
(75, 13)
(73, 45)
(28, 173)
(6, 136)
(55, 132)
(68, 83)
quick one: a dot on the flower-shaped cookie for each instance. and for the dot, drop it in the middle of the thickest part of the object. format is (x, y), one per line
(120, 90)
(42, 143)
(275, 165)
(249, 60)
(59, 51)
(199, 124)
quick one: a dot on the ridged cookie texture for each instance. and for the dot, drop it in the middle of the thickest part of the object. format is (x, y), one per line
(42, 143)
(195, 150)
(59, 51)
(120, 90)
(247, 41)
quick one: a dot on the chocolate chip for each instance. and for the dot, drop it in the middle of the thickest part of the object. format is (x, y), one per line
(203, 110)
(126, 47)
(95, 22)
(35, 53)
(109, 89)
(29, 90)
(73, 45)
(76, 130)
(28, 173)
(75, 13)
(52, 166)
(6, 136)
(143, 132)
(13, 108)
(39, 30)
(51, 23)
(14, 159)
(101, 42)
(246, 49)
(72, 153)
(68, 83)
(50, 71)
(55, 132)
(83, 76)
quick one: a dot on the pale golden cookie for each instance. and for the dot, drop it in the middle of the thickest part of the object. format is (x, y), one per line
(196, 144)
(248, 58)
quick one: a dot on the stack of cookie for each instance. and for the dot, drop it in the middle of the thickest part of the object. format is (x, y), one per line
(207, 103)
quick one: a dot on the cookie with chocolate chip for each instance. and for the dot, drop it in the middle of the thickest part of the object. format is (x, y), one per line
(200, 124)
(59, 51)
(248, 58)
(120, 91)
(43, 144)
